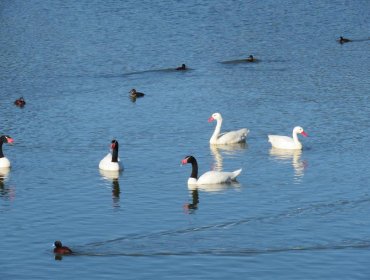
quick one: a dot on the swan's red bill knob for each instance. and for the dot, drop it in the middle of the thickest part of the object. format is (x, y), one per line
(10, 140)
(184, 161)
(211, 119)
(304, 133)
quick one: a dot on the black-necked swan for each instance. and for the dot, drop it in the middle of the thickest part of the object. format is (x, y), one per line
(231, 137)
(111, 161)
(285, 142)
(4, 162)
(210, 177)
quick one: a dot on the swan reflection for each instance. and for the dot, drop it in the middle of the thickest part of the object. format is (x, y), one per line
(226, 149)
(290, 155)
(191, 207)
(113, 176)
(5, 192)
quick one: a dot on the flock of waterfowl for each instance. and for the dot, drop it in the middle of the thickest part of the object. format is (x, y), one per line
(111, 161)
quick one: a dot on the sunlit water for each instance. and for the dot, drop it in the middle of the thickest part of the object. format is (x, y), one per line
(291, 215)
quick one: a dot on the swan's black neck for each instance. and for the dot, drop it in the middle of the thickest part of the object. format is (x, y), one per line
(194, 167)
(1, 146)
(114, 151)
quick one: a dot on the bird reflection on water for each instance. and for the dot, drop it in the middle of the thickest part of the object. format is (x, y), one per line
(113, 176)
(5, 191)
(226, 149)
(291, 155)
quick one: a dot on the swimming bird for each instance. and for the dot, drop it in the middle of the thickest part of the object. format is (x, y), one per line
(231, 137)
(136, 94)
(182, 67)
(251, 59)
(343, 40)
(111, 161)
(285, 142)
(210, 177)
(60, 249)
(20, 102)
(4, 162)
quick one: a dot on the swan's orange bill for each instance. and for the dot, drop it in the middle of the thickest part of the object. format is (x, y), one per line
(304, 134)
(184, 161)
(211, 119)
(10, 140)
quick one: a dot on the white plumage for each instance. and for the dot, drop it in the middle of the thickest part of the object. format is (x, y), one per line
(285, 142)
(231, 137)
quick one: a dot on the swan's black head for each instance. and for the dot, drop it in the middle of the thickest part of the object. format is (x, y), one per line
(114, 144)
(6, 139)
(188, 159)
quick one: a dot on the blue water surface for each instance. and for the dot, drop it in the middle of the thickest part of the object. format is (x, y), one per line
(297, 215)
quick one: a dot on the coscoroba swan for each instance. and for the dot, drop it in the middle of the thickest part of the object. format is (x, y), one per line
(4, 162)
(210, 177)
(111, 161)
(231, 137)
(285, 142)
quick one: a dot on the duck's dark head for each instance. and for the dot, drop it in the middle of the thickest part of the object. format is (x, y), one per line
(58, 244)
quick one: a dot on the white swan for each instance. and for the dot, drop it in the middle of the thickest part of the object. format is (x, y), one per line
(285, 142)
(4, 162)
(210, 177)
(231, 137)
(111, 161)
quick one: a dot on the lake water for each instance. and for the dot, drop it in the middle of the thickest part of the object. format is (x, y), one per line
(301, 215)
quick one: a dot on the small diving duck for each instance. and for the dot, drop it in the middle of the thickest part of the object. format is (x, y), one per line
(182, 67)
(20, 102)
(136, 94)
(60, 249)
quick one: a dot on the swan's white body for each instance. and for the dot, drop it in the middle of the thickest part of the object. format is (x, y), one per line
(215, 177)
(4, 163)
(107, 164)
(210, 177)
(285, 142)
(231, 137)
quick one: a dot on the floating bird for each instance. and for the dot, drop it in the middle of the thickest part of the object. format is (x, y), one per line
(4, 162)
(20, 102)
(210, 177)
(60, 249)
(285, 142)
(182, 67)
(231, 137)
(111, 161)
(342, 40)
(136, 94)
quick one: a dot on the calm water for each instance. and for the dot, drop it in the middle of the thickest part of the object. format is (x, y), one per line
(298, 215)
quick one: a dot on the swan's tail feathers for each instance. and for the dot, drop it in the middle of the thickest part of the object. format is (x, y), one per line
(270, 138)
(235, 174)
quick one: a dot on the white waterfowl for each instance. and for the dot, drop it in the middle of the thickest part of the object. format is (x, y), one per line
(285, 142)
(210, 177)
(4, 162)
(231, 137)
(111, 161)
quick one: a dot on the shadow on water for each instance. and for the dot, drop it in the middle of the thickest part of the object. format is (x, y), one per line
(215, 239)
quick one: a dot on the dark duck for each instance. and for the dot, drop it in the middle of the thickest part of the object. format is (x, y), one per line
(136, 94)
(60, 249)
(20, 102)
